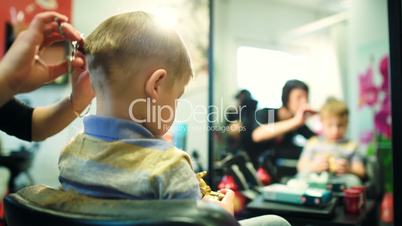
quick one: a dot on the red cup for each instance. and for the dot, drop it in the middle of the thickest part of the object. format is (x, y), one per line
(362, 189)
(352, 199)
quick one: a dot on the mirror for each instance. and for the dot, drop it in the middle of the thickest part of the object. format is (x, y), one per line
(338, 48)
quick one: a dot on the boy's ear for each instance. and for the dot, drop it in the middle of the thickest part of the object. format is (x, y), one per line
(153, 83)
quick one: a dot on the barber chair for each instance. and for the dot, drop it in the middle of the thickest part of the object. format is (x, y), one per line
(243, 172)
(44, 206)
(281, 162)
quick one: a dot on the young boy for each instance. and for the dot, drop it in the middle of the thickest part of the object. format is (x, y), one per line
(331, 151)
(138, 70)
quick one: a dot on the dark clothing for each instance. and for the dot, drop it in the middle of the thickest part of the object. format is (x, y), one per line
(16, 119)
(246, 116)
(286, 146)
(248, 122)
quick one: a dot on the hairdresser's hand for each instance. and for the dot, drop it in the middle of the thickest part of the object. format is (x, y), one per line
(82, 92)
(303, 113)
(342, 166)
(227, 202)
(21, 67)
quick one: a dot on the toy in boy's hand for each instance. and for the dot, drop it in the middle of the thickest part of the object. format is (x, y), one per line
(332, 164)
(320, 164)
(206, 189)
(338, 165)
(342, 166)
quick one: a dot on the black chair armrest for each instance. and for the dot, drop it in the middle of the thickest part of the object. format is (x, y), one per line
(44, 206)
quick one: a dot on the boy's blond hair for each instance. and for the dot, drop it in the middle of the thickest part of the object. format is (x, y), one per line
(134, 42)
(334, 107)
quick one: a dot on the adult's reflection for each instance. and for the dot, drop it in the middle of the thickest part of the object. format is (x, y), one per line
(241, 122)
(283, 130)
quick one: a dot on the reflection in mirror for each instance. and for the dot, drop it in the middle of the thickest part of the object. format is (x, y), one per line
(336, 49)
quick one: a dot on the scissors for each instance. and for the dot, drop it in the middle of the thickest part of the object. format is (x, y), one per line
(70, 49)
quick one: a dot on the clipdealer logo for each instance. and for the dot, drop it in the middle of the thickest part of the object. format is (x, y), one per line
(218, 115)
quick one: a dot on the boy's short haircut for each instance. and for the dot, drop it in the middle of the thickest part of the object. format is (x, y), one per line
(131, 42)
(334, 107)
